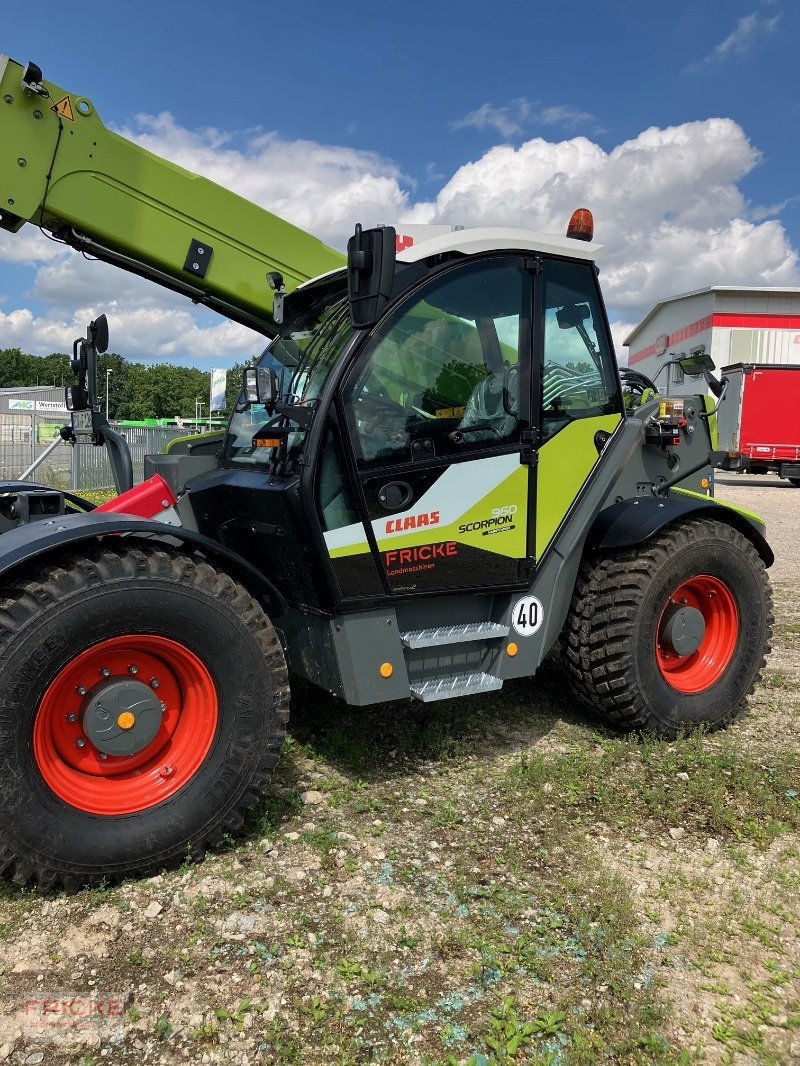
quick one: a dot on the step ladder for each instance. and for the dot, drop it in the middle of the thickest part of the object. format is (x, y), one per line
(450, 686)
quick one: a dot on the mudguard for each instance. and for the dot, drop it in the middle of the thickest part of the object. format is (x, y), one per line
(37, 540)
(634, 521)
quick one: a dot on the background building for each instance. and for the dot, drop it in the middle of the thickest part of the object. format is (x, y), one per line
(735, 324)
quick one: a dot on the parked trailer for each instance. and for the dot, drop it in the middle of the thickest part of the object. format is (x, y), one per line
(759, 420)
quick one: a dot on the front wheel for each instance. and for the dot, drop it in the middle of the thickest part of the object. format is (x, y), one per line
(145, 700)
(672, 635)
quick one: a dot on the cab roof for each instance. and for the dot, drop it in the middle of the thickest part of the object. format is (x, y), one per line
(499, 238)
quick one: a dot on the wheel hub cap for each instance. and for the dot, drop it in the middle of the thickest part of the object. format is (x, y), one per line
(122, 716)
(684, 629)
(697, 634)
(108, 743)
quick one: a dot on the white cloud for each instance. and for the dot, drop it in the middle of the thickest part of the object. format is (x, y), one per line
(742, 38)
(511, 119)
(137, 332)
(28, 245)
(506, 120)
(667, 205)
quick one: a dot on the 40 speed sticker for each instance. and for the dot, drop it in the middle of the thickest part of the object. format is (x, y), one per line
(527, 615)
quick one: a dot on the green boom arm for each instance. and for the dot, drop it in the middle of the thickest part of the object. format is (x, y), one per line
(61, 169)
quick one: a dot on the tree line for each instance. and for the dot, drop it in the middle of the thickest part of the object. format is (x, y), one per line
(136, 390)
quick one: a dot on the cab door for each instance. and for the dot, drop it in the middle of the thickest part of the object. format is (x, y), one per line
(437, 411)
(578, 393)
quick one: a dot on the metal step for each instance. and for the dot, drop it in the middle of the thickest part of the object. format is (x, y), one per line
(436, 636)
(446, 688)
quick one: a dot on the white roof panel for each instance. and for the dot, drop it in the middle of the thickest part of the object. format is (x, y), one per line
(496, 239)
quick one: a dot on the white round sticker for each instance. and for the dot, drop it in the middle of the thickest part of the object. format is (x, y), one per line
(527, 616)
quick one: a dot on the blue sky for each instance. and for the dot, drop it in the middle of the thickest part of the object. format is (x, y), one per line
(460, 112)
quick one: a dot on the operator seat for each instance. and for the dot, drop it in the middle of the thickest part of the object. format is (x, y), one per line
(487, 407)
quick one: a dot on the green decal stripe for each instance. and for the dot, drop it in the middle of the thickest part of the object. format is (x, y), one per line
(565, 462)
(709, 403)
(511, 492)
(351, 549)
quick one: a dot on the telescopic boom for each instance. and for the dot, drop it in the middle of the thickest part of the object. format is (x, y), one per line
(62, 170)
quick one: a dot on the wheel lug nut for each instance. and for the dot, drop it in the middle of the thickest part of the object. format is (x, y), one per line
(133, 669)
(166, 771)
(105, 671)
(81, 690)
(154, 682)
(80, 743)
(163, 706)
(103, 755)
(72, 717)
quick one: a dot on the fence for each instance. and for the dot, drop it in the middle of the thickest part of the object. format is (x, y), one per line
(23, 438)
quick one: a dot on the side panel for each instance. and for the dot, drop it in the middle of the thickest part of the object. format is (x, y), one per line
(468, 527)
(770, 427)
(565, 462)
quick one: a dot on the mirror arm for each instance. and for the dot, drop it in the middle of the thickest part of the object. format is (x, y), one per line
(723, 388)
(300, 414)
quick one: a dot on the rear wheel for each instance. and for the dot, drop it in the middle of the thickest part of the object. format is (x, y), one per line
(145, 701)
(673, 635)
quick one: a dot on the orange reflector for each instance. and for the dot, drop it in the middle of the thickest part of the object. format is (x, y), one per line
(126, 720)
(386, 670)
(734, 455)
(581, 225)
(512, 650)
(267, 442)
(704, 482)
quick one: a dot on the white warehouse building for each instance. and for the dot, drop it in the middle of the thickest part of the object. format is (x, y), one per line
(733, 323)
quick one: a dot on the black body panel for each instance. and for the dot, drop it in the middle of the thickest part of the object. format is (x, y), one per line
(33, 541)
(260, 517)
(634, 521)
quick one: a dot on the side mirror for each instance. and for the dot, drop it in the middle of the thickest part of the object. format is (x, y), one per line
(572, 315)
(76, 398)
(696, 363)
(370, 270)
(261, 385)
(699, 363)
(99, 330)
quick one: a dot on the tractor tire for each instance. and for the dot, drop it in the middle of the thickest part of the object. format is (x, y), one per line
(637, 614)
(143, 707)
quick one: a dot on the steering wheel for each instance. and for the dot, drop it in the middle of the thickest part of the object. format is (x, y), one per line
(636, 382)
(379, 400)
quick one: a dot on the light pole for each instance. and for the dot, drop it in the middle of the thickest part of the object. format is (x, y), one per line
(198, 411)
(108, 378)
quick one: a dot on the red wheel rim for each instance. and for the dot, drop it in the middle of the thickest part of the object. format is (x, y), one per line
(702, 668)
(114, 784)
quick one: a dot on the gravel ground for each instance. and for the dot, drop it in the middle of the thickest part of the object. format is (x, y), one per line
(778, 503)
(498, 881)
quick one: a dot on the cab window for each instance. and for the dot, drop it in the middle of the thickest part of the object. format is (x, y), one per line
(578, 374)
(442, 376)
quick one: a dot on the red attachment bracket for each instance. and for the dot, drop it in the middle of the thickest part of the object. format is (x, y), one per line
(145, 501)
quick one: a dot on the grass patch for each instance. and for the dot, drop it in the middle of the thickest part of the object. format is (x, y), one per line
(704, 786)
(96, 496)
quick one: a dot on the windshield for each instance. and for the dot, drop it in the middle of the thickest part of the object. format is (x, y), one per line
(302, 356)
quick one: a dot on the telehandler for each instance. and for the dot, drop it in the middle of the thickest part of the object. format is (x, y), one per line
(434, 474)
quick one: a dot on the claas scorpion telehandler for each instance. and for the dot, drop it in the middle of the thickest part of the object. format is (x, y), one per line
(435, 474)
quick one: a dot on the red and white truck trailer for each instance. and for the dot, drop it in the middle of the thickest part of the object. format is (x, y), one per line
(759, 420)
